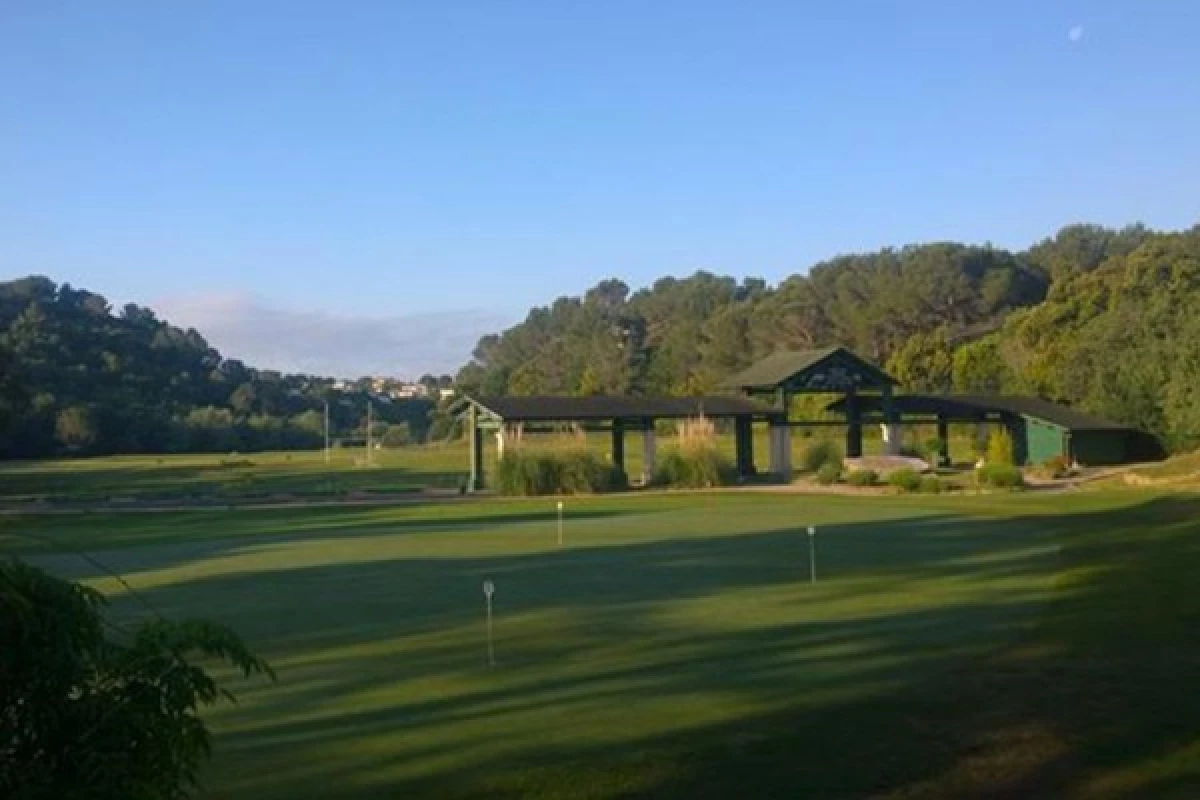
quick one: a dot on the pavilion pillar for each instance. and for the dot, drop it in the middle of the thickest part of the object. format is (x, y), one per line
(618, 444)
(854, 437)
(500, 436)
(743, 438)
(892, 431)
(943, 435)
(475, 440)
(648, 451)
(780, 438)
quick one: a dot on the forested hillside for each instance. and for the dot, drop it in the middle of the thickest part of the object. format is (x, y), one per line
(1106, 320)
(77, 378)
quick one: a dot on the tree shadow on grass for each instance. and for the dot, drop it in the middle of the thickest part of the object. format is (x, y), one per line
(931, 660)
(191, 482)
(130, 542)
(610, 595)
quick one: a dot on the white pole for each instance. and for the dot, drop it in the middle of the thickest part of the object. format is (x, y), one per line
(368, 430)
(560, 523)
(326, 431)
(812, 554)
(489, 589)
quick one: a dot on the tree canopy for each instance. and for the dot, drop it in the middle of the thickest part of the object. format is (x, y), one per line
(91, 709)
(1102, 319)
(77, 378)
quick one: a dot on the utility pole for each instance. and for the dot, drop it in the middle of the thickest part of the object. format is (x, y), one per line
(368, 430)
(326, 430)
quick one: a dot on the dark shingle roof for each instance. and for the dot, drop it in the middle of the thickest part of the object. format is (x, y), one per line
(778, 367)
(966, 405)
(1063, 416)
(578, 409)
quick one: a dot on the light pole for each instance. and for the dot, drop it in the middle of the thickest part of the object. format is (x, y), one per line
(560, 523)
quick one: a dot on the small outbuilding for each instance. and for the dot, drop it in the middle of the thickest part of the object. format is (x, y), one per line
(1040, 430)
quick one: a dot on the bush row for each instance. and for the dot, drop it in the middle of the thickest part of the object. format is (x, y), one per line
(910, 481)
(695, 465)
(999, 476)
(821, 453)
(542, 472)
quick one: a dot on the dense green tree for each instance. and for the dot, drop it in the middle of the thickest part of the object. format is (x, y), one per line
(89, 709)
(244, 399)
(75, 378)
(1094, 317)
(924, 363)
(74, 429)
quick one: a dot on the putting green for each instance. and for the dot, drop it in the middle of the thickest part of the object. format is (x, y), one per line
(676, 646)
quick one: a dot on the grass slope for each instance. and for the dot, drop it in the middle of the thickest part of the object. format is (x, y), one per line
(973, 646)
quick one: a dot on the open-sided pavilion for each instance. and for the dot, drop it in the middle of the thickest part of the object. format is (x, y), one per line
(508, 418)
(765, 392)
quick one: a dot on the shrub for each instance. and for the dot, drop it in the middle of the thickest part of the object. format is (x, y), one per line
(234, 461)
(1000, 476)
(930, 485)
(862, 477)
(828, 474)
(75, 695)
(819, 453)
(583, 472)
(531, 473)
(999, 449)
(1056, 467)
(694, 466)
(906, 480)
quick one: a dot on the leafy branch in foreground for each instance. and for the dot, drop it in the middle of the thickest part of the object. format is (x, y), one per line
(89, 711)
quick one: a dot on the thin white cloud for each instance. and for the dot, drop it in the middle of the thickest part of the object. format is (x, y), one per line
(1075, 33)
(318, 343)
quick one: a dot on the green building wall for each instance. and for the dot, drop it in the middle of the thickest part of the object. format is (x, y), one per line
(1044, 441)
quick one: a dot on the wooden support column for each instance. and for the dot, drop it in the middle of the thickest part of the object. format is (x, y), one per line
(618, 444)
(943, 435)
(743, 437)
(854, 436)
(648, 451)
(785, 450)
(475, 442)
(501, 433)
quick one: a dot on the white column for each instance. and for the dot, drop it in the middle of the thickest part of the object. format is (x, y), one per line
(500, 442)
(892, 435)
(775, 443)
(648, 454)
(785, 452)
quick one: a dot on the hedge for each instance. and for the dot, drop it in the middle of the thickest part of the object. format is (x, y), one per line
(543, 472)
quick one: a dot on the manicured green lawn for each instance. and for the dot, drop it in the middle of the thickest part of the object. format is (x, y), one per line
(306, 474)
(1001, 645)
(200, 476)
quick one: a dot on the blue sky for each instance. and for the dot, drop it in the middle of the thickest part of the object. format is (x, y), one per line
(358, 168)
